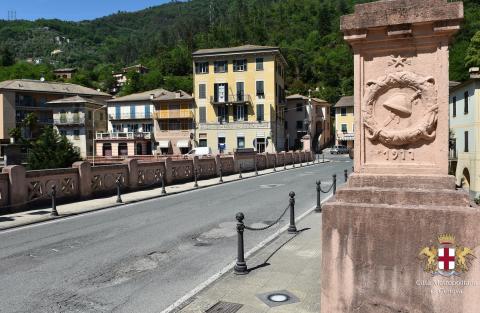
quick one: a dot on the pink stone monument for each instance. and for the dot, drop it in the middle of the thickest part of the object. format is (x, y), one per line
(399, 237)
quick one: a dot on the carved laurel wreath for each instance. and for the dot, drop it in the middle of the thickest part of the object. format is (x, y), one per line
(425, 92)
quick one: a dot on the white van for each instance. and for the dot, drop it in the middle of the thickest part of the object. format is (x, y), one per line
(200, 151)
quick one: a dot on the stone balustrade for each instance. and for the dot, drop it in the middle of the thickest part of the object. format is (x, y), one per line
(23, 190)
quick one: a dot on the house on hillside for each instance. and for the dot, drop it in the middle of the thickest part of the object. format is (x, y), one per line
(464, 118)
(65, 73)
(240, 95)
(307, 116)
(121, 76)
(344, 122)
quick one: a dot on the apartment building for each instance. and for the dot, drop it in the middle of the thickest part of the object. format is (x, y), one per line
(174, 122)
(20, 97)
(240, 98)
(130, 126)
(78, 118)
(121, 76)
(464, 119)
(344, 122)
(310, 117)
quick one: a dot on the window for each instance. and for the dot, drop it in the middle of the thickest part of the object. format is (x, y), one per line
(147, 128)
(63, 133)
(201, 68)
(220, 66)
(220, 93)
(132, 111)
(90, 115)
(240, 65)
(202, 143)
(202, 93)
(454, 109)
(240, 142)
(239, 113)
(76, 134)
(260, 113)
(147, 111)
(259, 62)
(240, 91)
(202, 112)
(299, 125)
(117, 112)
(343, 111)
(299, 107)
(222, 114)
(344, 128)
(260, 89)
(466, 141)
(465, 109)
(221, 144)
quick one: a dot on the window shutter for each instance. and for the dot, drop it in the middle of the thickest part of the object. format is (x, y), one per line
(226, 93)
(235, 111)
(215, 93)
(202, 115)
(245, 112)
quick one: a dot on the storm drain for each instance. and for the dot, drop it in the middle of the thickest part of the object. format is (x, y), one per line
(277, 298)
(224, 307)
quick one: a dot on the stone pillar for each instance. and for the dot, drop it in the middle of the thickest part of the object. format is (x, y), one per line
(84, 178)
(196, 165)
(18, 190)
(168, 170)
(114, 148)
(132, 173)
(386, 236)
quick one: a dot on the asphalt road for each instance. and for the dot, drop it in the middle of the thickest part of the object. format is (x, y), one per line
(143, 257)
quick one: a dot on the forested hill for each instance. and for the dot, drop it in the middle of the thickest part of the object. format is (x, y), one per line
(164, 36)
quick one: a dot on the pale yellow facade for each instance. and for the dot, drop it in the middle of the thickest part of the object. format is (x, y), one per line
(250, 130)
(344, 123)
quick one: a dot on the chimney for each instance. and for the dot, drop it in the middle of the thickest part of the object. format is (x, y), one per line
(474, 72)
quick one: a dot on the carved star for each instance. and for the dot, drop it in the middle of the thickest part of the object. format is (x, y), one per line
(397, 61)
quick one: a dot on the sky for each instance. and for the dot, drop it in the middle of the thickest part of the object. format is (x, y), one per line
(71, 10)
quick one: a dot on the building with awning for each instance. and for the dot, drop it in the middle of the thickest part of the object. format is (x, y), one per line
(344, 122)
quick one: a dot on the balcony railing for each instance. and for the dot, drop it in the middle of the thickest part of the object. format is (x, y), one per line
(129, 116)
(232, 99)
(177, 127)
(123, 135)
(69, 120)
(171, 114)
(345, 136)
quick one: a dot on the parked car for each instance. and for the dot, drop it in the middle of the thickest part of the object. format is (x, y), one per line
(200, 151)
(338, 150)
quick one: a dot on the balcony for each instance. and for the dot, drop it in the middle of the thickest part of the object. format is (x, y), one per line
(69, 120)
(345, 136)
(129, 116)
(233, 99)
(173, 114)
(452, 155)
(123, 136)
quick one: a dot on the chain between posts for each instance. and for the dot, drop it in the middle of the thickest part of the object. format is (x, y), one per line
(270, 225)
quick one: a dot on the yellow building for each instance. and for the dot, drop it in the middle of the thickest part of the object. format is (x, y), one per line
(344, 122)
(240, 96)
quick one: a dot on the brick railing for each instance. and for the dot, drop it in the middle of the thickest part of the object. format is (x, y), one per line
(23, 190)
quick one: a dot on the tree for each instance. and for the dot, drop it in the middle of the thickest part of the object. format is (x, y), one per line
(51, 150)
(30, 122)
(473, 52)
(6, 57)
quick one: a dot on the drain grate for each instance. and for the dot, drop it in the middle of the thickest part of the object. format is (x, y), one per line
(224, 307)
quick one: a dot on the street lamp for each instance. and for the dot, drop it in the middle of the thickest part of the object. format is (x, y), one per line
(94, 134)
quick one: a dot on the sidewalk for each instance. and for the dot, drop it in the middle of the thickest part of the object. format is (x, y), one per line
(41, 215)
(289, 263)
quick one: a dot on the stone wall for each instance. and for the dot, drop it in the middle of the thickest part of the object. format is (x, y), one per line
(23, 190)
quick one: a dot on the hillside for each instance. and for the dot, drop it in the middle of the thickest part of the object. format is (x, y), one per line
(163, 38)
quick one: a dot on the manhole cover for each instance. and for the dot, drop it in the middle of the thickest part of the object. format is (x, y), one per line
(224, 307)
(276, 298)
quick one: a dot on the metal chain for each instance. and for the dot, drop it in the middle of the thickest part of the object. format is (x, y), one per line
(327, 191)
(268, 226)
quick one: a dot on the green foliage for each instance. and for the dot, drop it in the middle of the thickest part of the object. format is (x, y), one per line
(6, 57)
(163, 38)
(51, 151)
(473, 53)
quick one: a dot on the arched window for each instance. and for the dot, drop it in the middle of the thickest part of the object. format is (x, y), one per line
(107, 149)
(122, 148)
(139, 149)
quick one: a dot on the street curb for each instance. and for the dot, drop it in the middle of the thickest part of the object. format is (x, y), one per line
(183, 301)
(114, 205)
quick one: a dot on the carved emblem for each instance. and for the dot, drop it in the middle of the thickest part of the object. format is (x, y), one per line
(409, 102)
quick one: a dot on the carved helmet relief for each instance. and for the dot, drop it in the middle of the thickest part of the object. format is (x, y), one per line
(400, 108)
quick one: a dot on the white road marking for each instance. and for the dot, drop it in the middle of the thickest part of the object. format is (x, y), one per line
(230, 266)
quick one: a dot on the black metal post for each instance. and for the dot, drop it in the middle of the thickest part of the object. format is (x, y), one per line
(275, 164)
(240, 267)
(292, 229)
(195, 173)
(164, 192)
(345, 173)
(284, 161)
(318, 208)
(221, 177)
(54, 201)
(334, 176)
(119, 198)
(300, 158)
(240, 171)
(255, 163)
(293, 157)
(323, 157)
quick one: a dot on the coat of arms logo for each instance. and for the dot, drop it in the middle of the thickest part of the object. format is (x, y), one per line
(446, 259)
